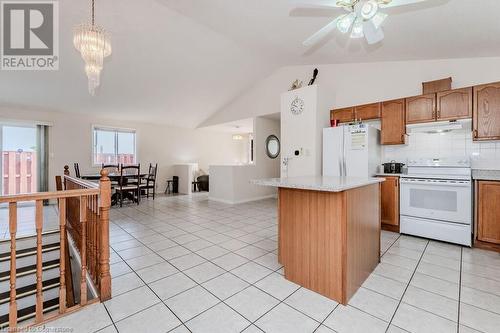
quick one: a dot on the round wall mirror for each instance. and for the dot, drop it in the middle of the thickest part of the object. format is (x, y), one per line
(272, 146)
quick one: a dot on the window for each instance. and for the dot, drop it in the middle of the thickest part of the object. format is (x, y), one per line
(113, 146)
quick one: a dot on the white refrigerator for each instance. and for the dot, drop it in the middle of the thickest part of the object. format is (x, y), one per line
(351, 151)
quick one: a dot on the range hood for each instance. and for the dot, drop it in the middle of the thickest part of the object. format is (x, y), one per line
(441, 126)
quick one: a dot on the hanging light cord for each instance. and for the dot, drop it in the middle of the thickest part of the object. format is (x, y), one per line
(93, 9)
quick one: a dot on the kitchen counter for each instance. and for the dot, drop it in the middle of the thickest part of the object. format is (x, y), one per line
(381, 174)
(485, 174)
(323, 184)
(328, 232)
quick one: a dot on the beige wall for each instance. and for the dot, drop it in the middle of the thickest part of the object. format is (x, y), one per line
(355, 84)
(71, 141)
(231, 184)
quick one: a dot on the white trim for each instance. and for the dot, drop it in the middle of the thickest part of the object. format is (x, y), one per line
(272, 196)
(112, 129)
(23, 122)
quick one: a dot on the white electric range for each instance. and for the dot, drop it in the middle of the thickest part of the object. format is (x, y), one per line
(436, 200)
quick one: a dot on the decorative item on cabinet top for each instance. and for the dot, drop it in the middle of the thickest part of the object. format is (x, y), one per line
(296, 85)
(315, 75)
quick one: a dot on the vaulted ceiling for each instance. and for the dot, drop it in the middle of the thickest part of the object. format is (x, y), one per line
(179, 61)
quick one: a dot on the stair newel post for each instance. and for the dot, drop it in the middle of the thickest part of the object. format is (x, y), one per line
(83, 253)
(103, 225)
(13, 231)
(39, 294)
(62, 251)
(66, 170)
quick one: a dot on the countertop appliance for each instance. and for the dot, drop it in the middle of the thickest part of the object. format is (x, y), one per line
(436, 200)
(351, 150)
(393, 167)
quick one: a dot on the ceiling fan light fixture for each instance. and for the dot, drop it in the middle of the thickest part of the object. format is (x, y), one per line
(378, 19)
(357, 29)
(369, 9)
(345, 23)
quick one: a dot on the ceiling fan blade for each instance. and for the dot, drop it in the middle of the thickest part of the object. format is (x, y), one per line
(372, 34)
(397, 3)
(321, 33)
(319, 4)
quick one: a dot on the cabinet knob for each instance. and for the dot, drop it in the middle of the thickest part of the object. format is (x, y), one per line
(475, 133)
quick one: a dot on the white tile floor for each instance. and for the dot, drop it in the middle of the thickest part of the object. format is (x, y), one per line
(184, 264)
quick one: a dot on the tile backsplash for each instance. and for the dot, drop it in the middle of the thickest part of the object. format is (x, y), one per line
(441, 145)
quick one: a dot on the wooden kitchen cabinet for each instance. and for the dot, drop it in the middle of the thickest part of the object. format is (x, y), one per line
(488, 211)
(390, 204)
(367, 111)
(421, 109)
(486, 112)
(393, 122)
(345, 115)
(454, 104)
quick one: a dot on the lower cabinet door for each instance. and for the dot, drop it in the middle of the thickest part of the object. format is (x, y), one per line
(390, 201)
(488, 228)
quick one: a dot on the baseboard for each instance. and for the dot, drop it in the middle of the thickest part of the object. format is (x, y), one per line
(229, 202)
(392, 228)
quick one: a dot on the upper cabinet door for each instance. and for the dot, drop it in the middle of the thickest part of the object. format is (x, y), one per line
(486, 113)
(421, 109)
(454, 104)
(343, 115)
(368, 111)
(393, 122)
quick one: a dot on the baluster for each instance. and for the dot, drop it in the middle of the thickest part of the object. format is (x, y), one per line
(13, 231)
(83, 224)
(39, 294)
(103, 224)
(97, 241)
(62, 251)
(94, 237)
(92, 241)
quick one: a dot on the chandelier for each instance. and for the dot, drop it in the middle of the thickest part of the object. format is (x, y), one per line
(93, 43)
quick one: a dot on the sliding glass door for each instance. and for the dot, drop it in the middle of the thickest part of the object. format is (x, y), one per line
(19, 159)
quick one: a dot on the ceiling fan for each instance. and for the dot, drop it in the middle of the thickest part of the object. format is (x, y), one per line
(364, 18)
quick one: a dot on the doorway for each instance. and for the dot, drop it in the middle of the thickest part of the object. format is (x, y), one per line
(19, 159)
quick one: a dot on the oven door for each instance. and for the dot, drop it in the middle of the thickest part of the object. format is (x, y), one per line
(445, 200)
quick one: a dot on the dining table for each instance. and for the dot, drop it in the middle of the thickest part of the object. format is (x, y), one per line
(115, 178)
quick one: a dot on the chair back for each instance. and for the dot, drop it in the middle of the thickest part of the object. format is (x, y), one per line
(77, 170)
(111, 168)
(153, 170)
(130, 174)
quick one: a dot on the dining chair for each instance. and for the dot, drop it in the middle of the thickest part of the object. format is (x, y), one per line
(77, 170)
(112, 169)
(129, 183)
(149, 181)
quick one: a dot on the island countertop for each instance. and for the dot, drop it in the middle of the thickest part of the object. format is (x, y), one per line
(319, 183)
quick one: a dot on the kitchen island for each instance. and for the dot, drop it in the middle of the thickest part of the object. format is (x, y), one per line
(328, 232)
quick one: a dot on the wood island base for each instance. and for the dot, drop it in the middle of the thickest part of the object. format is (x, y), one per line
(329, 242)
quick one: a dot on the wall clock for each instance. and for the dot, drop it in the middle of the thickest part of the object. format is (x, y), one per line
(297, 106)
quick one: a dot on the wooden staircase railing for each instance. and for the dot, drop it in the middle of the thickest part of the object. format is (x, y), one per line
(84, 213)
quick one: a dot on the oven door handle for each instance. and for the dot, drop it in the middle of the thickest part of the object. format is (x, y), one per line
(462, 183)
